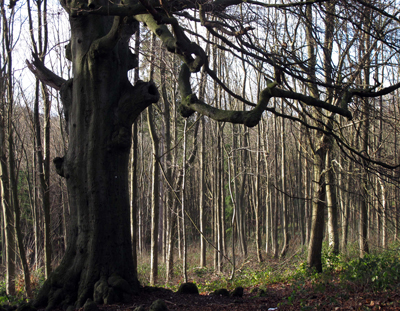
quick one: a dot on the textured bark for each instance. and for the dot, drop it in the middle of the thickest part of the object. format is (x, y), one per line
(100, 107)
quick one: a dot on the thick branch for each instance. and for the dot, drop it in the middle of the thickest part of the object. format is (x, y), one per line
(109, 41)
(191, 103)
(152, 11)
(135, 100)
(385, 91)
(45, 75)
(285, 5)
(109, 10)
(160, 30)
(311, 101)
(151, 7)
(179, 44)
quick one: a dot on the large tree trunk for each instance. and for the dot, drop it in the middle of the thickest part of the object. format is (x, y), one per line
(100, 106)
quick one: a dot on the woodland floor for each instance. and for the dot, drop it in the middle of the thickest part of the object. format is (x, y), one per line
(279, 296)
(347, 283)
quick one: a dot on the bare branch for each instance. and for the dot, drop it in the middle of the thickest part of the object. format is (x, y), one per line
(368, 93)
(45, 75)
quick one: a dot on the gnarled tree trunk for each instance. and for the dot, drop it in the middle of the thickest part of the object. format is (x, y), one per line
(100, 107)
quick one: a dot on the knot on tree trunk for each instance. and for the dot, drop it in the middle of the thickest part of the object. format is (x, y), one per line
(121, 139)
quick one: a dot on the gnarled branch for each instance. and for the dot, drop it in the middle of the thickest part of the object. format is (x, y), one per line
(178, 44)
(191, 103)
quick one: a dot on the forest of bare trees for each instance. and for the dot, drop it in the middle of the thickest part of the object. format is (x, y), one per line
(274, 127)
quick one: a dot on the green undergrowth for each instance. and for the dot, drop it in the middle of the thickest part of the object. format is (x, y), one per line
(37, 280)
(377, 271)
(343, 274)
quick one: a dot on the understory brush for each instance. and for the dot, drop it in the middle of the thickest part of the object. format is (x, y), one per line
(377, 271)
(37, 280)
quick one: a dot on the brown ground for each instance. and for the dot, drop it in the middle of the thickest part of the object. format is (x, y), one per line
(280, 296)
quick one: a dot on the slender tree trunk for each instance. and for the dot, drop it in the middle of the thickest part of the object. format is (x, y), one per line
(9, 189)
(257, 196)
(217, 203)
(8, 217)
(134, 166)
(155, 201)
(268, 197)
(155, 185)
(16, 208)
(302, 203)
(345, 203)
(363, 221)
(203, 245)
(7, 184)
(7, 209)
(285, 232)
(307, 202)
(318, 184)
(183, 211)
(42, 148)
(330, 186)
(275, 245)
(231, 168)
(384, 212)
(318, 214)
(331, 203)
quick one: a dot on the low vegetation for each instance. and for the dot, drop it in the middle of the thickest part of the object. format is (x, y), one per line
(345, 279)
(370, 282)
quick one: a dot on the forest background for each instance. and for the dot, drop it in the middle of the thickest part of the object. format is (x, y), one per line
(220, 193)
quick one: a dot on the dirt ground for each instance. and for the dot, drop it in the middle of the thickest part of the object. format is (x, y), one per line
(275, 297)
